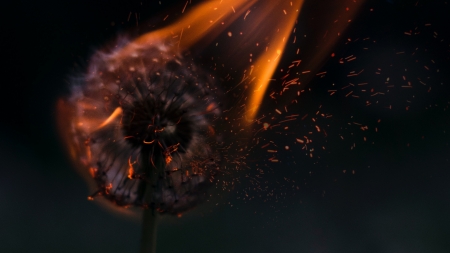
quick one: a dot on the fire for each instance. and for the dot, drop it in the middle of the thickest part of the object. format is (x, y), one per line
(130, 168)
(271, 26)
(266, 64)
(204, 20)
(266, 28)
(210, 18)
(117, 112)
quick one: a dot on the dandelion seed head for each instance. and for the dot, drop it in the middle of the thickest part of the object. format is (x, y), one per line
(146, 119)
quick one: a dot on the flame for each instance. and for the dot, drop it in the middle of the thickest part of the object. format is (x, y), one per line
(272, 25)
(207, 19)
(117, 112)
(211, 17)
(130, 168)
(265, 66)
(269, 25)
(168, 159)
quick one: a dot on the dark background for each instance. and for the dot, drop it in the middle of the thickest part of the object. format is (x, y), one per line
(393, 197)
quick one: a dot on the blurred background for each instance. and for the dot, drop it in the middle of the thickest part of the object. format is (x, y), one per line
(384, 188)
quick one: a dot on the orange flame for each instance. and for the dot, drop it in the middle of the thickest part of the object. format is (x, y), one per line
(271, 23)
(117, 112)
(265, 66)
(204, 20)
(130, 168)
(211, 17)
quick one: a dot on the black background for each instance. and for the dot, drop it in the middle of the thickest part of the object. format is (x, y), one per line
(397, 200)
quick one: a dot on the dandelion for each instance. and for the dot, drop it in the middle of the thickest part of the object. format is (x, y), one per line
(143, 119)
(143, 125)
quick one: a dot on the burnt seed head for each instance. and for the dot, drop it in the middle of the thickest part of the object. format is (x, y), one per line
(156, 120)
(143, 124)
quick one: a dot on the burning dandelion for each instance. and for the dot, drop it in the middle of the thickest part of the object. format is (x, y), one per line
(142, 122)
(145, 128)
(143, 125)
(144, 118)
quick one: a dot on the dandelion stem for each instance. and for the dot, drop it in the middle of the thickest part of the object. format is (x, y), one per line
(148, 239)
(149, 219)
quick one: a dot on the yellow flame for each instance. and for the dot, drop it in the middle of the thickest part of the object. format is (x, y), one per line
(117, 112)
(211, 17)
(208, 18)
(274, 18)
(266, 64)
(273, 24)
